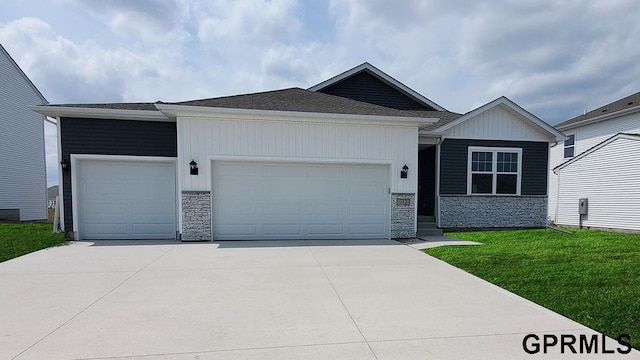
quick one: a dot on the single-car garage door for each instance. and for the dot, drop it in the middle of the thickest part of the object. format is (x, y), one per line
(126, 199)
(256, 200)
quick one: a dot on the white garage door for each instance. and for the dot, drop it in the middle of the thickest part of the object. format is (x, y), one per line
(299, 201)
(126, 200)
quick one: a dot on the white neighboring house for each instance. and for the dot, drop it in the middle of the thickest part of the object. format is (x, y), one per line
(599, 161)
(23, 182)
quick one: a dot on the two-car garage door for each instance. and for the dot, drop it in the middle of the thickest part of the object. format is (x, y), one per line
(257, 200)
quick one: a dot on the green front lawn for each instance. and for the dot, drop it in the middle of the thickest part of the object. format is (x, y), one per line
(19, 239)
(592, 277)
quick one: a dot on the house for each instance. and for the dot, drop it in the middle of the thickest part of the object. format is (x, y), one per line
(52, 194)
(23, 183)
(598, 162)
(360, 155)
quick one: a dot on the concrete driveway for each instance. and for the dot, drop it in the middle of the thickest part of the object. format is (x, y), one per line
(260, 300)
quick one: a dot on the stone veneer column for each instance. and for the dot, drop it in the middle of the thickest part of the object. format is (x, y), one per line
(196, 215)
(403, 215)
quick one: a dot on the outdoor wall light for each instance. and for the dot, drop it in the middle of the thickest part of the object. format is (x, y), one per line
(404, 172)
(194, 167)
(64, 164)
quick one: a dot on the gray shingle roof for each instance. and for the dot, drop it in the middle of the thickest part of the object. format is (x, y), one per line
(444, 116)
(293, 99)
(299, 100)
(628, 102)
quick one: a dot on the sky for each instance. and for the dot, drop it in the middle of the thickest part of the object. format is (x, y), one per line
(554, 58)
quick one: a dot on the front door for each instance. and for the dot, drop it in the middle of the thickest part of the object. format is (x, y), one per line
(427, 181)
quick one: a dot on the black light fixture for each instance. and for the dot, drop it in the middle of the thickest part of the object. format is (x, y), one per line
(64, 164)
(194, 167)
(404, 172)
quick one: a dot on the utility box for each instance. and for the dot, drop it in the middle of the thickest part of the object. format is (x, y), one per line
(583, 206)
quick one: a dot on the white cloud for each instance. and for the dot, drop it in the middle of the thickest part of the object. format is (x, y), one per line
(152, 21)
(246, 20)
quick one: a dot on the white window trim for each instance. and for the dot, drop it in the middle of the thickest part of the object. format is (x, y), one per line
(564, 147)
(494, 168)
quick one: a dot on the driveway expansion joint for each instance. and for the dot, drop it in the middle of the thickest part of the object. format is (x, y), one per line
(92, 304)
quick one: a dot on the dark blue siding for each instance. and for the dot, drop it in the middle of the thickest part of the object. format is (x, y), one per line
(367, 88)
(112, 137)
(453, 164)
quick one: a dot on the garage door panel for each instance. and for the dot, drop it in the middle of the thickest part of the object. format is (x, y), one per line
(240, 170)
(367, 191)
(326, 229)
(235, 188)
(270, 170)
(152, 229)
(295, 201)
(325, 172)
(237, 230)
(126, 200)
(370, 209)
(366, 229)
(326, 208)
(104, 231)
(281, 229)
(287, 209)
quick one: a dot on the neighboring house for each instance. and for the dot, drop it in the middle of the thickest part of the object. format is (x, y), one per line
(23, 183)
(599, 161)
(52, 194)
(357, 156)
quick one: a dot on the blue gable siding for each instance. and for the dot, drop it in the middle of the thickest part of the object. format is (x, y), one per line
(112, 137)
(367, 88)
(454, 156)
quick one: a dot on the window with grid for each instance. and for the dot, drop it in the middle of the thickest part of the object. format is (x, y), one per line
(494, 171)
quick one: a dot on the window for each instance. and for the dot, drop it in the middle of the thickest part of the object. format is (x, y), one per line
(569, 146)
(494, 171)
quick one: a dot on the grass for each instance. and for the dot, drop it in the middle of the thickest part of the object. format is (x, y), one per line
(592, 277)
(19, 239)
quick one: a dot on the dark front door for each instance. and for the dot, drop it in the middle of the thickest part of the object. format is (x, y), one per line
(427, 181)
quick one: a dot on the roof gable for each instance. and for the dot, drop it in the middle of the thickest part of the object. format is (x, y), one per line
(499, 107)
(634, 137)
(367, 83)
(612, 110)
(26, 78)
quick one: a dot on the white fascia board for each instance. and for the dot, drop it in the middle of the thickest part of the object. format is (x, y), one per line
(556, 135)
(599, 118)
(635, 137)
(175, 111)
(93, 113)
(382, 76)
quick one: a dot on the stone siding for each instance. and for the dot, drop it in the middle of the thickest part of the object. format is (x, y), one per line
(493, 211)
(403, 215)
(196, 215)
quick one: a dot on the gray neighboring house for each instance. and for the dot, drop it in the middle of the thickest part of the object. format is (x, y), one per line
(23, 181)
(52, 194)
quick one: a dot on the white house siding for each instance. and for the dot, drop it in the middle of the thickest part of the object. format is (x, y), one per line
(22, 158)
(586, 137)
(206, 139)
(608, 177)
(497, 123)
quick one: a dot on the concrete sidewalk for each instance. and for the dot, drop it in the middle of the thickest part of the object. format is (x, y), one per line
(335, 300)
